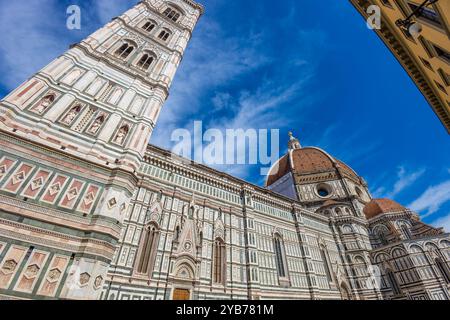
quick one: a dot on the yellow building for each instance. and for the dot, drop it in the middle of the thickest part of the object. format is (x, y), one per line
(421, 44)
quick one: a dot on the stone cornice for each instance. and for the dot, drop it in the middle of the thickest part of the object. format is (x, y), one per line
(200, 171)
(409, 63)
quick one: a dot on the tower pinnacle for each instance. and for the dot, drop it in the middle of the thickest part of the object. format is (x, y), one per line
(293, 143)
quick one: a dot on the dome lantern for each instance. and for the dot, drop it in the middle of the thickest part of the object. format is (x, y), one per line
(293, 143)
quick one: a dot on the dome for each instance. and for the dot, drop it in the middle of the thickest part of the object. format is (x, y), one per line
(380, 206)
(304, 161)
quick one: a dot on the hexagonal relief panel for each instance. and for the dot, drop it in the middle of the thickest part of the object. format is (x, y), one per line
(84, 278)
(9, 266)
(54, 275)
(31, 271)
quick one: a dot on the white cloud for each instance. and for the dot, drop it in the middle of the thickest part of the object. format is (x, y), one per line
(212, 60)
(108, 9)
(442, 222)
(25, 49)
(432, 199)
(404, 181)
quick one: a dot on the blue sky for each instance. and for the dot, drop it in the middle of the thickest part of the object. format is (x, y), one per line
(308, 66)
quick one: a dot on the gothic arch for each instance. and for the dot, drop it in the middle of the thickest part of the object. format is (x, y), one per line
(145, 59)
(415, 248)
(148, 247)
(124, 48)
(185, 271)
(345, 291)
(347, 229)
(154, 215)
(381, 257)
(398, 252)
(187, 263)
(170, 4)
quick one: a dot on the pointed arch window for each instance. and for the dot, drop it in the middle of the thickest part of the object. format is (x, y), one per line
(148, 250)
(219, 261)
(164, 35)
(124, 51)
(393, 281)
(146, 61)
(149, 26)
(382, 237)
(279, 255)
(443, 268)
(326, 264)
(172, 14)
(406, 231)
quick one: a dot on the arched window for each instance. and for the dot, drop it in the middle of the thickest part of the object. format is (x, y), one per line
(443, 268)
(172, 14)
(279, 255)
(164, 35)
(382, 237)
(406, 231)
(148, 251)
(393, 281)
(145, 61)
(219, 261)
(124, 51)
(345, 293)
(326, 264)
(149, 26)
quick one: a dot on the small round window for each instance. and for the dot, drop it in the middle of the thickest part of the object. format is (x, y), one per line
(323, 190)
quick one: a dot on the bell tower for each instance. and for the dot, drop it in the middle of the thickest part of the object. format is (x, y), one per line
(72, 138)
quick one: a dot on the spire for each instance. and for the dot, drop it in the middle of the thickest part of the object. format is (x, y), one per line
(293, 143)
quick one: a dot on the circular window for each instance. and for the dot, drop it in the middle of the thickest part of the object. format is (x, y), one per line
(324, 190)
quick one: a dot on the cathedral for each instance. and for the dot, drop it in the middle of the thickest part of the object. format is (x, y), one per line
(90, 211)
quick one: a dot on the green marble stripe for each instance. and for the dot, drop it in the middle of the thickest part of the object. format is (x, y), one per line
(5, 249)
(43, 273)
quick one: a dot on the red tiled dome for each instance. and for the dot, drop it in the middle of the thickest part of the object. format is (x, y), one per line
(306, 161)
(380, 206)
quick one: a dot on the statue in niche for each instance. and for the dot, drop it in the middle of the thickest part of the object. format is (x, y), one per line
(68, 119)
(191, 212)
(121, 135)
(44, 103)
(96, 125)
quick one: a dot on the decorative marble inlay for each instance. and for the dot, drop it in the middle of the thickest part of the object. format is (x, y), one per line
(37, 183)
(98, 282)
(54, 189)
(18, 177)
(112, 203)
(72, 194)
(89, 198)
